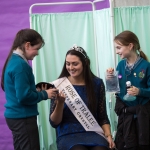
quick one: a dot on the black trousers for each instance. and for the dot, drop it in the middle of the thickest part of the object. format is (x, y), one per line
(25, 133)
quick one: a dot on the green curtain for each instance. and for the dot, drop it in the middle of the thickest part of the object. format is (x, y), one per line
(60, 32)
(136, 19)
(105, 54)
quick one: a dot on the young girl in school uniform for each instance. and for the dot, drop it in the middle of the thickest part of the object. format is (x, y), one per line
(133, 130)
(18, 83)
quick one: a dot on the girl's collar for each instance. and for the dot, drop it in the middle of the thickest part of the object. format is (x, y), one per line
(20, 53)
(135, 64)
(130, 67)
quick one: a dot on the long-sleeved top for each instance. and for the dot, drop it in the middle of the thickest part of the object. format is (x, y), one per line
(20, 91)
(70, 132)
(139, 76)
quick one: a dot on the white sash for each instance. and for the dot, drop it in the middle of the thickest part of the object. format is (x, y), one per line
(77, 106)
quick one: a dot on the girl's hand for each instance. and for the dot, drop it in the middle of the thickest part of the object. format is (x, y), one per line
(38, 89)
(133, 91)
(110, 70)
(111, 142)
(44, 87)
(109, 73)
(52, 93)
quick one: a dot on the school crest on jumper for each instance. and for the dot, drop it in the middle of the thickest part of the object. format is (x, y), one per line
(142, 73)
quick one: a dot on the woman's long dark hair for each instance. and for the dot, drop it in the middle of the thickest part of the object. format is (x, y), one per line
(87, 75)
(23, 36)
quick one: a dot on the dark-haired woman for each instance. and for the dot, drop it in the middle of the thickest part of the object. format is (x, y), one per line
(71, 135)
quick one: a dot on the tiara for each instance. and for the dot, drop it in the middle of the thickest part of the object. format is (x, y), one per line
(79, 49)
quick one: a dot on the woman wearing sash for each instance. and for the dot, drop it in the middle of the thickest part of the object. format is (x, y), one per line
(71, 135)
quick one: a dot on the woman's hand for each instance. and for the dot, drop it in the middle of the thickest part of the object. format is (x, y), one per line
(133, 91)
(60, 98)
(107, 133)
(52, 93)
(57, 114)
(111, 142)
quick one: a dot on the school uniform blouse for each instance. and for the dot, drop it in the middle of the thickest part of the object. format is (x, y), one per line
(70, 132)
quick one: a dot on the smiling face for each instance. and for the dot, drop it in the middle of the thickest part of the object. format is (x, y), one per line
(74, 66)
(123, 51)
(31, 51)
